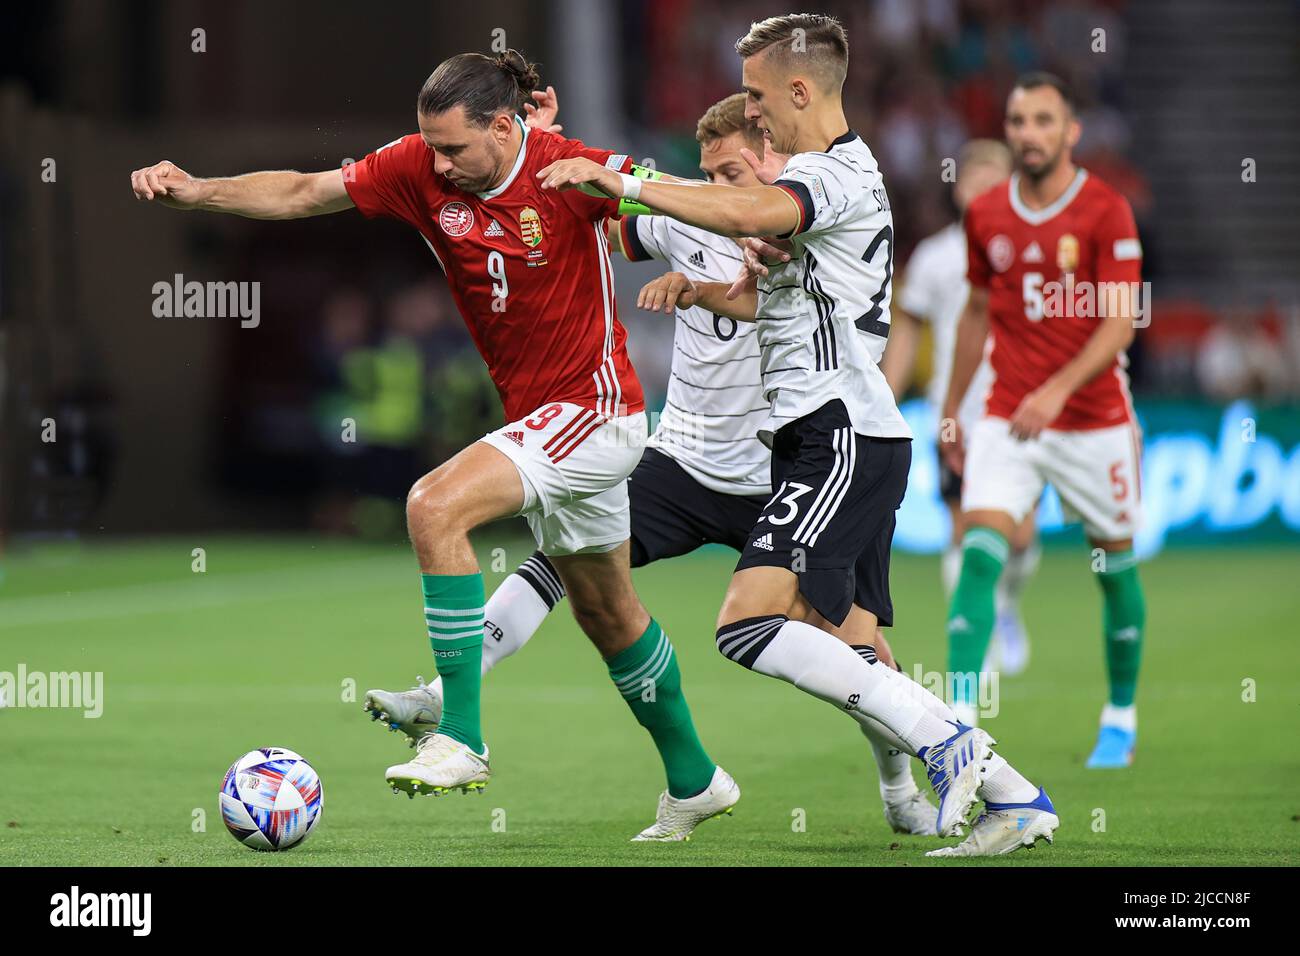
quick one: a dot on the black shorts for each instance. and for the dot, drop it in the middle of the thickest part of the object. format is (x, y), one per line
(673, 514)
(949, 481)
(831, 520)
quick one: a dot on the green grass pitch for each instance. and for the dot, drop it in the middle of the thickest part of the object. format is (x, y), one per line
(259, 650)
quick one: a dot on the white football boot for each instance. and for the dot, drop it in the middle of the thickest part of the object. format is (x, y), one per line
(676, 819)
(913, 814)
(441, 764)
(956, 770)
(415, 712)
(1004, 827)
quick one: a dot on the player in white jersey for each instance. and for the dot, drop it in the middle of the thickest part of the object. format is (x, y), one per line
(934, 290)
(816, 564)
(705, 476)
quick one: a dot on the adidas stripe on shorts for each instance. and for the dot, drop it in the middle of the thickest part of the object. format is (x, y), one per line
(831, 518)
(574, 464)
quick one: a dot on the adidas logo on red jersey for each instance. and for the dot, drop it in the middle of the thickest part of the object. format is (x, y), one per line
(494, 230)
(1033, 253)
(516, 437)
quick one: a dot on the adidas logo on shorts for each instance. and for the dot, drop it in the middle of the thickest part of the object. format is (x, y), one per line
(697, 258)
(494, 230)
(516, 437)
(763, 542)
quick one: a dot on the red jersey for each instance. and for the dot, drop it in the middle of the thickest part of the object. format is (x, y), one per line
(1039, 265)
(529, 269)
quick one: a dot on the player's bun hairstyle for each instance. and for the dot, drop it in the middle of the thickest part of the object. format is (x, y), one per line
(801, 41)
(1039, 78)
(483, 85)
(725, 117)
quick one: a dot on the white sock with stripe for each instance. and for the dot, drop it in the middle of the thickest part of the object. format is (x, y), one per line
(820, 664)
(893, 762)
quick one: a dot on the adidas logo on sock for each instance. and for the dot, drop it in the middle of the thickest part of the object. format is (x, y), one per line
(494, 230)
(764, 542)
(958, 625)
(516, 437)
(697, 259)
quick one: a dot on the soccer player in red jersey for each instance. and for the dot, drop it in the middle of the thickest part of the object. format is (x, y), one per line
(1055, 268)
(529, 271)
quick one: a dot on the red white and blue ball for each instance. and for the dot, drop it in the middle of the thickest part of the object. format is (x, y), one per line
(271, 799)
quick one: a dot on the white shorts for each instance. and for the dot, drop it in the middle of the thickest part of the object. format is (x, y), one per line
(1097, 473)
(574, 464)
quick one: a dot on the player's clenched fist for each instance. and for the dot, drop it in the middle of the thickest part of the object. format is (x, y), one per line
(670, 290)
(167, 183)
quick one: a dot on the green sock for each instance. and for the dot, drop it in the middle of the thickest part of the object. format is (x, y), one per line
(453, 609)
(972, 612)
(1124, 623)
(647, 676)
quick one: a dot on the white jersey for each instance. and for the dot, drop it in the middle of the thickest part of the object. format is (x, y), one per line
(823, 317)
(935, 290)
(715, 400)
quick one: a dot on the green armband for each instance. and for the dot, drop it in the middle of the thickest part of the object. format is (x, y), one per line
(627, 207)
(630, 207)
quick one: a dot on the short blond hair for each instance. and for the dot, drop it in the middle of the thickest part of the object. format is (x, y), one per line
(813, 40)
(985, 152)
(725, 117)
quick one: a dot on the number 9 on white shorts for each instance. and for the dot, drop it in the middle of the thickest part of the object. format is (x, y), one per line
(574, 465)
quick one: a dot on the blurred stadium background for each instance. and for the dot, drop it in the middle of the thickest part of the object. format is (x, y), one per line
(177, 433)
(169, 425)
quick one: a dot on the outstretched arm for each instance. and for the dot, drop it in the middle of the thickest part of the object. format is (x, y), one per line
(725, 210)
(278, 194)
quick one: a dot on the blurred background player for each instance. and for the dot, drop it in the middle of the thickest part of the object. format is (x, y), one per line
(934, 290)
(530, 274)
(704, 477)
(1054, 268)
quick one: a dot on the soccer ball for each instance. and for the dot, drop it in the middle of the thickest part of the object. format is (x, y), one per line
(271, 799)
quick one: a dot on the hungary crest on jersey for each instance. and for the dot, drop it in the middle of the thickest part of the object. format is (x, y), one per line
(530, 226)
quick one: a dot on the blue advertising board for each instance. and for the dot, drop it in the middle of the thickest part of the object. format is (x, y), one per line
(1210, 473)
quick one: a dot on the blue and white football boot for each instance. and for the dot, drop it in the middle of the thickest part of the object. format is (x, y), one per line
(956, 770)
(1004, 827)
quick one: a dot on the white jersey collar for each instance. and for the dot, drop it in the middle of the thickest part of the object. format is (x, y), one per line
(519, 164)
(1036, 217)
